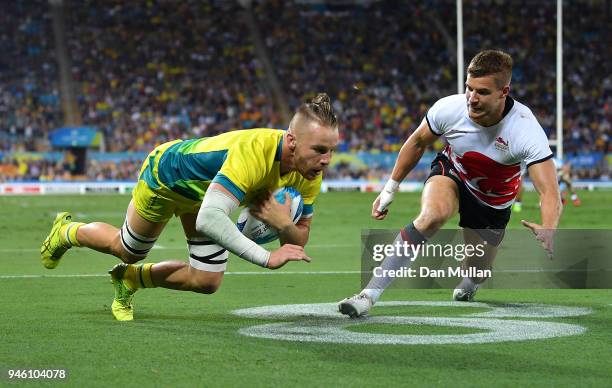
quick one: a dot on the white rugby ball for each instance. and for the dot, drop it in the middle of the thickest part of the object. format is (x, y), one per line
(262, 233)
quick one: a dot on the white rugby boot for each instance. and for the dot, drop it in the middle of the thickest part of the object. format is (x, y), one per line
(356, 306)
(465, 294)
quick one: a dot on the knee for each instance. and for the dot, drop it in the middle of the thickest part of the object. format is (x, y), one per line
(430, 220)
(128, 256)
(205, 286)
(131, 247)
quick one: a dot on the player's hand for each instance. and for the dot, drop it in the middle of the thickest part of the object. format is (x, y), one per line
(543, 235)
(268, 210)
(285, 253)
(381, 204)
(384, 199)
(379, 212)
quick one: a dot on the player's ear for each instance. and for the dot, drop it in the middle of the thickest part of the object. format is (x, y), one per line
(291, 140)
(505, 91)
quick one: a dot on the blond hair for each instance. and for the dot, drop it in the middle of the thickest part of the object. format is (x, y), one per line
(319, 109)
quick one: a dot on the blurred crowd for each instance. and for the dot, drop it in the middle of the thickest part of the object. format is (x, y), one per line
(29, 82)
(154, 71)
(149, 71)
(383, 64)
(34, 168)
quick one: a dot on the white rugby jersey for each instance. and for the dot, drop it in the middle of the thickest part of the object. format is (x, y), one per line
(488, 159)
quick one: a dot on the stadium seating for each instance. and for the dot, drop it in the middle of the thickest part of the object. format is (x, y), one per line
(147, 72)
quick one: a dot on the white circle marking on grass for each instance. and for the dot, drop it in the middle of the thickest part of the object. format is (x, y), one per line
(321, 322)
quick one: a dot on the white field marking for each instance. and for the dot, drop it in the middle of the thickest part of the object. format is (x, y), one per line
(18, 250)
(321, 322)
(227, 273)
(553, 270)
(331, 332)
(182, 247)
(498, 310)
(85, 275)
(99, 214)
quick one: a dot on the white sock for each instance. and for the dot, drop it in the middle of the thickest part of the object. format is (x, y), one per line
(467, 284)
(373, 293)
(377, 285)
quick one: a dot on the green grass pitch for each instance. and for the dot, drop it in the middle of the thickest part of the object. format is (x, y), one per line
(62, 320)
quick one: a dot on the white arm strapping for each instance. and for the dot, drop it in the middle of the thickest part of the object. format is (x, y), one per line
(387, 194)
(214, 222)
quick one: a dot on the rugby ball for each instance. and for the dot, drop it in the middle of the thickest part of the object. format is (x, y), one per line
(262, 233)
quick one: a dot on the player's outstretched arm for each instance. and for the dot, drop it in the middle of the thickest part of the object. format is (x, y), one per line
(544, 178)
(286, 253)
(409, 155)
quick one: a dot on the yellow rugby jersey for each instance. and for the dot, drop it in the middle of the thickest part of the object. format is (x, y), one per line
(244, 162)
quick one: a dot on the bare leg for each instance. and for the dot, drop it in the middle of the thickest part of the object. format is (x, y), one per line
(178, 275)
(106, 238)
(439, 202)
(568, 183)
(519, 195)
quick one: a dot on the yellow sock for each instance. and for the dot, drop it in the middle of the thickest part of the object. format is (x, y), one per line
(68, 233)
(138, 276)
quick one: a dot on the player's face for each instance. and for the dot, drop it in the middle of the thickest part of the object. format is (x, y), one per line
(314, 147)
(485, 100)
